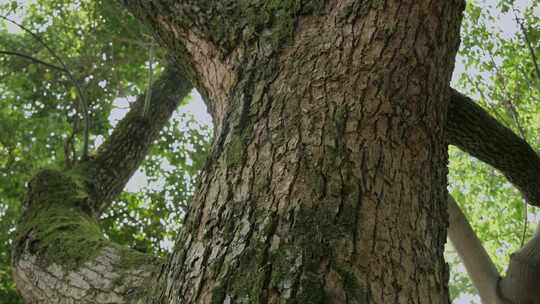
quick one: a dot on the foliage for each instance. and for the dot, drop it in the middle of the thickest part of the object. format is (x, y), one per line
(41, 123)
(499, 72)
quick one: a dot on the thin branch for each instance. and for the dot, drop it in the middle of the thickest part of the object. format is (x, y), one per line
(80, 93)
(122, 153)
(529, 45)
(33, 59)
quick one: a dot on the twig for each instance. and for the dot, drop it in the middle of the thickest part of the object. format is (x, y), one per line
(80, 93)
(150, 80)
(33, 59)
(529, 45)
(537, 69)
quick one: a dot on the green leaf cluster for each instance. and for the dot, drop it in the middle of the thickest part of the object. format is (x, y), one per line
(498, 71)
(41, 123)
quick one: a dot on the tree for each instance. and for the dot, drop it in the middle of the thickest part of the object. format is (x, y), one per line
(326, 182)
(38, 111)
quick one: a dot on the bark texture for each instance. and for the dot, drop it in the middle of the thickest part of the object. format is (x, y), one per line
(327, 182)
(60, 254)
(474, 131)
(120, 156)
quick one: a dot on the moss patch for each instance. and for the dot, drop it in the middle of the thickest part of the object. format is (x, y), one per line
(234, 152)
(55, 223)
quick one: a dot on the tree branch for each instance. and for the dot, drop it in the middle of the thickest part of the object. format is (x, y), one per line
(122, 153)
(34, 60)
(478, 264)
(82, 98)
(60, 254)
(474, 131)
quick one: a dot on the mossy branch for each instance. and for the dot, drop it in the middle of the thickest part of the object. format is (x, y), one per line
(59, 235)
(58, 238)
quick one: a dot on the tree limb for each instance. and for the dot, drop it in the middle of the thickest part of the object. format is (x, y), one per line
(474, 131)
(478, 264)
(60, 254)
(122, 153)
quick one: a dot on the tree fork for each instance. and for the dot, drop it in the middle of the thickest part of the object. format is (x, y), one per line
(326, 168)
(474, 131)
(60, 254)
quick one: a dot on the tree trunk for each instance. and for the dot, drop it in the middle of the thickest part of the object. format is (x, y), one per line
(327, 181)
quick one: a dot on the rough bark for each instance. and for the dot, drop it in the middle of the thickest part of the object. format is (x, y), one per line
(474, 131)
(327, 182)
(122, 153)
(60, 254)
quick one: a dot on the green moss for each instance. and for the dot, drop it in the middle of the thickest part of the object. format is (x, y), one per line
(55, 220)
(354, 289)
(267, 22)
(250, 279)
(312, 291)
(359, 9)
(218, 295)
(234, 152)
(132, 259)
